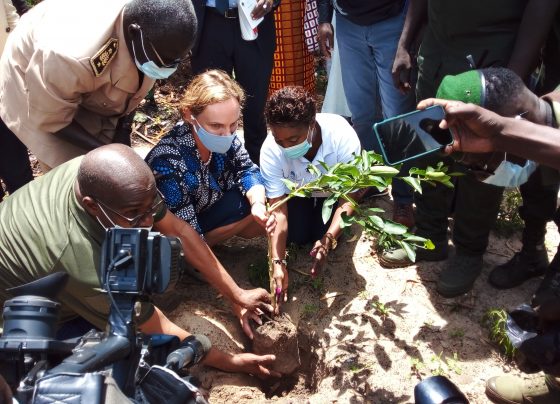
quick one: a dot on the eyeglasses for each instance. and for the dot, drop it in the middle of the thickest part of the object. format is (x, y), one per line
(134, 221)
(172, 65)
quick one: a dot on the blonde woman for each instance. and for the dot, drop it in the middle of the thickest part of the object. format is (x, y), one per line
(202, 168)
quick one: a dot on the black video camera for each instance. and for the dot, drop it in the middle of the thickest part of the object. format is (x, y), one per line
(138, 262)
(134, 263)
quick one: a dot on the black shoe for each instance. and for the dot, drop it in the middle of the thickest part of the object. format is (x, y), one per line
(520, 268)
(548, 289)
(458, 276)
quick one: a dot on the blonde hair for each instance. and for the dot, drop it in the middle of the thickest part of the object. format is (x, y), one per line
(209, 88)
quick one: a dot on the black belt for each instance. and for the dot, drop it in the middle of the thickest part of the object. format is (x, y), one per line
(229, 13)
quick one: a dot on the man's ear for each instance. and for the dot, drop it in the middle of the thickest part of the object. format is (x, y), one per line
(90, 206)
(133, 29)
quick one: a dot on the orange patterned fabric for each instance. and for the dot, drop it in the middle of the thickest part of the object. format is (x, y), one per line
(293, 64)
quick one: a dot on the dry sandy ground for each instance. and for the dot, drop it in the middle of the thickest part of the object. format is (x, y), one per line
(351, 352)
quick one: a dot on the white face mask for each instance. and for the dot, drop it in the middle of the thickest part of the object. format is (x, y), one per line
(510, 175)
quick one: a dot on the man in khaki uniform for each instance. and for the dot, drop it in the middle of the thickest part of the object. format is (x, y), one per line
(72, 68)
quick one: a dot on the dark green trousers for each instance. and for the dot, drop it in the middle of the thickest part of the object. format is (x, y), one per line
(473, 204)
(539, 195)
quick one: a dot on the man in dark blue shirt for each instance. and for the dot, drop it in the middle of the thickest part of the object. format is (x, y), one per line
(367, 33)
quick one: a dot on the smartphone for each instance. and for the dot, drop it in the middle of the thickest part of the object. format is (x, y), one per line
(409, 136)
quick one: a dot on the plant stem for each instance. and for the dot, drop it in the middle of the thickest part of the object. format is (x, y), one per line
(272, 285)
(279, 203)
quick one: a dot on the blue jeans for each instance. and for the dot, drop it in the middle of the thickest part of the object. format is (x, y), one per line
(366, 57)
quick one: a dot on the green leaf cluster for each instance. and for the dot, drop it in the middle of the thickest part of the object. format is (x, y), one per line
(345, 180)
(496, 321)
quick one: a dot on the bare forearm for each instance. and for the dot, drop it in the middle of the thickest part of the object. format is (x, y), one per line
(203, 259)
(219, 360)
(158, 323)
(534, 28)
(199, 255)
(416, 16)
(256, 195)
(531, 141)
(280, 236)
(344, 207)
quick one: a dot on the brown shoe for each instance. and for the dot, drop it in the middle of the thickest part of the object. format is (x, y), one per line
(536, 388)
(403, 213)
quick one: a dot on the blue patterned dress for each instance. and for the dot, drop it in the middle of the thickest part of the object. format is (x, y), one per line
(191, 186)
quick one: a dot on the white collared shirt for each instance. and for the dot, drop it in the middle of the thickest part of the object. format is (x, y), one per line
(339, 145)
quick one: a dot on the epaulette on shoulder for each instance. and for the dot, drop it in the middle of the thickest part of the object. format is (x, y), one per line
(104, 56)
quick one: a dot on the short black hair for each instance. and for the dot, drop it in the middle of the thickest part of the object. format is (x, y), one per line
(503, 87)
(170, 23)
(291, 106)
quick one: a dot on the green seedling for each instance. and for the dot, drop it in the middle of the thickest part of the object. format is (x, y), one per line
(495, 320)
(453, 363)
(417, 366)
(508, 220)
(309, 309)
(381, 309)
(357, 367)
(292, 252)
(318, 283)
(258, 273)
(457, 333)
(342, 181)
(444, 365)
(363, 295)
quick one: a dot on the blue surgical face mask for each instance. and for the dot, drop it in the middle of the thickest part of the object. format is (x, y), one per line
(301, 149)
(214, 143)
(150, 68)
(511, 175)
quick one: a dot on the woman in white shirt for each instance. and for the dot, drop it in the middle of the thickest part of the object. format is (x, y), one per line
(299, 137)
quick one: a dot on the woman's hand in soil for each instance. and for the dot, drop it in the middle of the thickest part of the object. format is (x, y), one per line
(255, 299)
(319, 253)
(280, 276)
(254, 364)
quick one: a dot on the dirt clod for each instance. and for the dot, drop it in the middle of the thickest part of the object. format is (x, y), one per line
(278, 337)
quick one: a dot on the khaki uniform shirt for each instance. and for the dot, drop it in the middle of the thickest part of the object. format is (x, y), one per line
(8, 20)
(68, 60)
(46, 230)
